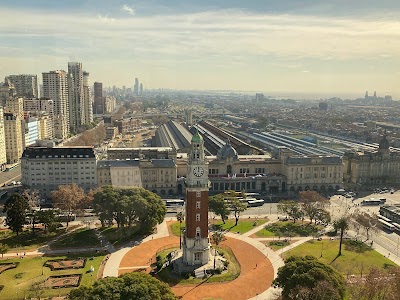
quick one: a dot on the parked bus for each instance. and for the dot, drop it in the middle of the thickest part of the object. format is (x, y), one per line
(173, 205)
(396, 226)
(384, 219)
(255, 203)
(254, 195)
(372, 202)
(12, 167)
(387, 225)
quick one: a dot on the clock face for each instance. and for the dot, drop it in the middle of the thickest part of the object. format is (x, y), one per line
(198, 171)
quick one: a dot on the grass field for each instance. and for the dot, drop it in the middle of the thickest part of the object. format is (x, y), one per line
(26, 240)
(18, 281)
(288, 228)
(119, 236)
(82, 237)
(349, 262)
(242, 227)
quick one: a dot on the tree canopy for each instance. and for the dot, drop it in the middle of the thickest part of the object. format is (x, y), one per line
(129, 206)
(130, 286)
(219, 206)
(308, 279)
(16, 208)
(291, 208)
(341, 224)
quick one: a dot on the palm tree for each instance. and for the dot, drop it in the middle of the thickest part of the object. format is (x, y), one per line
(341, 224)
(217, 238)
(180, 217)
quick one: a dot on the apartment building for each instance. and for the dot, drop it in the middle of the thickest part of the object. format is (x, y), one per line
(3, 157)
(26, 85)
(13, 137)
(45, 169)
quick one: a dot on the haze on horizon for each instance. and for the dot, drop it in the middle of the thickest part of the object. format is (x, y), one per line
(339, 47)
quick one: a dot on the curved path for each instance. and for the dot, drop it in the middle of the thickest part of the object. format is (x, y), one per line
(259, 265)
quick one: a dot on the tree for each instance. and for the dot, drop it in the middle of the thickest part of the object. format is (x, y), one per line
(16, 207)
(237, 207)
(217, 238)
(307, 278)
(33, 198)
(291, 208)
(179, 217)
(366, 221)
(67, 197)
(3, 249)
(129, 286)
(219, 206)
(341, 224)
(128, 206)
(312, 204)
(378, 284)
(48, 219)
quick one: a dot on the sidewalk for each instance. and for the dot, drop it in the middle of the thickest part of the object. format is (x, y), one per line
(112, 265)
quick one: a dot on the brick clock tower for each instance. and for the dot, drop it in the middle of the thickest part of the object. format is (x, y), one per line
(195, 241)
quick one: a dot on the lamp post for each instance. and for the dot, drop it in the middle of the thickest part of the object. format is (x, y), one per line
(322, 247)
(42, 265)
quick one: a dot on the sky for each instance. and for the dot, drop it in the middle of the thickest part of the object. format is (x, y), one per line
(297, 46)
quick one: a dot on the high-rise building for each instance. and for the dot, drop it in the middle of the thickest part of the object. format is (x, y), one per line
(7, 90)
(3, 157)
(136, 87)
(141, 89)
(39, 105)
(26, 85)
(13, 137)
(195, 242)
(98, 106)
(76, 96)
(87, 99)
(55, 87)
(46, 126)
(31, 131)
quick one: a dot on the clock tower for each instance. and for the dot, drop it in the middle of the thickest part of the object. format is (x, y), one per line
(195, 241)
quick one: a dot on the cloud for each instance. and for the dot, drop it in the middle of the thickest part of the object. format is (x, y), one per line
(105, 19)
(128, 9)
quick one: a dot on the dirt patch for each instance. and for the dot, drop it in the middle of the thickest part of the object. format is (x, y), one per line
(7, 266)
(62, 281)
(65, 264)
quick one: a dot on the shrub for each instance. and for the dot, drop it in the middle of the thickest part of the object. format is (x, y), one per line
(18, 275)
(356, 246)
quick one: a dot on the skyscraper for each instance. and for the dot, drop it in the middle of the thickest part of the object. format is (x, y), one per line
(98, 106)
(87, 99)
(141, 89)
(55, 87)
(76, 96)
(26, 85)
(136, 87)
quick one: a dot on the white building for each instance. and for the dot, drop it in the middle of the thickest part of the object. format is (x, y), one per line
(88, 109)
(76, 97)
(31, 131)
(45, 169)
(3, 157)
(13, 137)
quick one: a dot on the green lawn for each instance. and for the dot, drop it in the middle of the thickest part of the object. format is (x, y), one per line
(242, 227)
(349, 262)
(288, 228)
(82, 237)
(119, 236)
(26, 240)
(276, 245)
(30, 272)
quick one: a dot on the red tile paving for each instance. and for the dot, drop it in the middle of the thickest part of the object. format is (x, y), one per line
(256, 271)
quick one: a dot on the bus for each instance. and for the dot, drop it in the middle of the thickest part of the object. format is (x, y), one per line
(384, 219)
(12, 167)
(396, 226)
(387, 225)
(173, 205)
(254, 195)
(255, 203)
(372, 202)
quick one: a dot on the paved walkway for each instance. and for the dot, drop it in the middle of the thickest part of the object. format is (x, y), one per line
(113, 262)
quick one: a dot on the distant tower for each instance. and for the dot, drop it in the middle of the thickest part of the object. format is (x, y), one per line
(366, 95)
(375, 95)
(196, 242)
(141, 89)
(98, 105)
(136, 87)
(189, 117)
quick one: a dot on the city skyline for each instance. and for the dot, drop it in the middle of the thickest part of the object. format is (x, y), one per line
(266, 46)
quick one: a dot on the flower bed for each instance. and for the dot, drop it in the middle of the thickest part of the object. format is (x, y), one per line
(62, 281)
(7, 266)
(66, 264)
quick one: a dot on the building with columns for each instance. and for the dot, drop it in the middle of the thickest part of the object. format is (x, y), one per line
(196, 244)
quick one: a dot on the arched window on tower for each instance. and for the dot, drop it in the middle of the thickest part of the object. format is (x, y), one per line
(198, 231)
